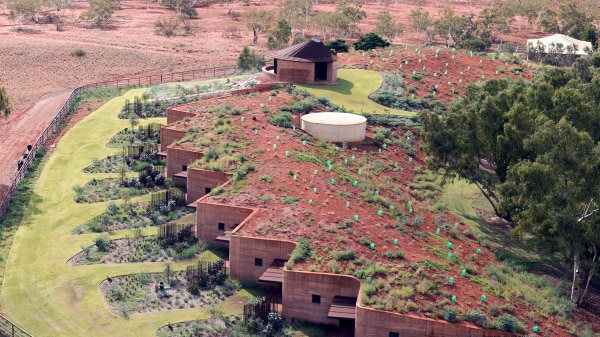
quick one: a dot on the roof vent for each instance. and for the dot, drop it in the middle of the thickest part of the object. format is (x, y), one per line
(317, 40)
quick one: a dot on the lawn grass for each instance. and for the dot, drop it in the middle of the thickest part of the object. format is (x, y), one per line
(41, 293)
(352, 91)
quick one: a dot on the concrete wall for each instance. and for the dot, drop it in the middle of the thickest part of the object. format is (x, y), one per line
(303, 72)
(178, 113)
(209, 215)
(169, 136)
(332, 72)
(243, 250)
(199, 180)
(377, 323)
(299, 286)
(178, 157)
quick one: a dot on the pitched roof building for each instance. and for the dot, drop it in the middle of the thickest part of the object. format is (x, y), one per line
(569, 45)
(307, 62)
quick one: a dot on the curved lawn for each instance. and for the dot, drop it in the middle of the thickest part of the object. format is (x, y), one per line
(352, 91)
(44, 295)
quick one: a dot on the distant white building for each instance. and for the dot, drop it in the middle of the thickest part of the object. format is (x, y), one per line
(567, 44)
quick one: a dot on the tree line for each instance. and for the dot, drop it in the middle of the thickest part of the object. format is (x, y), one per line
(533, 150)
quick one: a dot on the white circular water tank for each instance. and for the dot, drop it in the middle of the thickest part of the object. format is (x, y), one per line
(335, 126)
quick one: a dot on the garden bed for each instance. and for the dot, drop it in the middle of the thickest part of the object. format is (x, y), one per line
(98, 190)
(137, 215)
(137, 249)
(138, 293)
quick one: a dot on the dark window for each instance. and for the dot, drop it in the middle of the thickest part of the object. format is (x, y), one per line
(184, 167)
(257, 261)
(316, 298)
(207, 190)
(221, 226)
(394, 334)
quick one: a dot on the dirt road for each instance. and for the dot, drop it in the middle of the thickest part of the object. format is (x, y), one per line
(23, 128)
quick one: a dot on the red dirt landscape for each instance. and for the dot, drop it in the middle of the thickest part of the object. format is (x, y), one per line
(318, 216)
(37, 61)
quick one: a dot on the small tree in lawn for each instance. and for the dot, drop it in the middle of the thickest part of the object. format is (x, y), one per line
(370, 41)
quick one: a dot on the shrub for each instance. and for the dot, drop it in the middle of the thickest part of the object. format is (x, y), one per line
(302, 250)
(102, 242)
(249, 59)
(451, 314)
(344, 255)
(370, 41)
(78, 52)
(509, 323)
(397, 254)
(473, 44)
(423, 287)
(365, 241)
(338, 45)
(282, 119)
(407, 292)
(346, 223)
(477, 317)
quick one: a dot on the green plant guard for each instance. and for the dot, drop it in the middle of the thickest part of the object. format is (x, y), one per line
(274, 146)
(456, 224)
(287, 153)
(449, 255)
(243, 119)
(376, 192)
(355, 183)
(315, 190)
(316, 172)
(478, 250)
(276, 137)
(483, 298)
(310, 201)
(437, 231)
(396, 242)
(294, 177)
(449, 244)
(347, 204)
(353, 158)
(450, 280)
(463, 273)
(380, 212)
(355, 217)
(453, 299)
(332, 181)
(536, 329)
(372, 246)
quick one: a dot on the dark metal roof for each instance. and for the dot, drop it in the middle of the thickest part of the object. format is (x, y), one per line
(312, 50)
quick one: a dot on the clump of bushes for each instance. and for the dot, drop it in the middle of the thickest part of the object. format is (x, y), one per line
(282, 119)
(78, 52)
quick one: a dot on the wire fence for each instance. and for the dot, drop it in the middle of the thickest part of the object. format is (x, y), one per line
(8, 329)
(53, 127)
